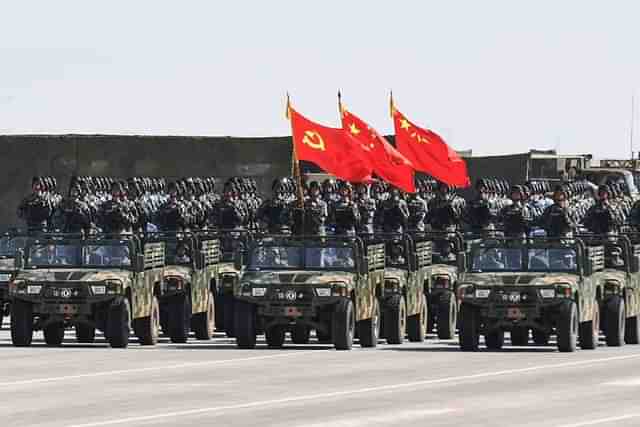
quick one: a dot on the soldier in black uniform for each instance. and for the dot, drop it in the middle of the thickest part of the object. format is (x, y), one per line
(227, 213)
(603, 218)
(366, 208)
(480, 212)
(37, 208)
(395, 213)
(516, 218)
(277, 213)
(556, 219)
(444, 214)
(345, 212)
(74, 215)
(117, 215)
(315, 211)
(417, 209)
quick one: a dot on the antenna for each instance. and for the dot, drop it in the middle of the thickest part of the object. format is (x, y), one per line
(633, 115)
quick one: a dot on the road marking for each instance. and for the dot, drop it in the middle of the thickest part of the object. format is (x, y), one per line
(602, 421)
(631, 382)
(395, 417)
(152, 368)
(330, 395)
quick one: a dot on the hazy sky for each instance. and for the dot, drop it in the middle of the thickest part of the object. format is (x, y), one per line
(493, 76)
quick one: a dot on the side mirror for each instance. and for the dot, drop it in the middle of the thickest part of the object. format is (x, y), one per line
(462, 261)
(18, 261)
(140, 262)
(238, 259)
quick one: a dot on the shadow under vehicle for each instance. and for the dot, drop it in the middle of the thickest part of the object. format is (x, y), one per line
(9, 244)
(105, 282)
(449, 261)
(547, 285)
(299, 283)
(186, 300)
(403, 300)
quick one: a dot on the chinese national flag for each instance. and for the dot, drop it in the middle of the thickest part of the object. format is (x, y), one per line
(333, 150)
(428, 152)
(388, 163)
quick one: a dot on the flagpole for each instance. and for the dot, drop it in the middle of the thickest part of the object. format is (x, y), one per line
(295, 163)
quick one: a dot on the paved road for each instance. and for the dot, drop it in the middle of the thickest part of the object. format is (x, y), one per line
(213, 383)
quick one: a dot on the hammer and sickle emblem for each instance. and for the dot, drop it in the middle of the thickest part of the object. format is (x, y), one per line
(313, 140)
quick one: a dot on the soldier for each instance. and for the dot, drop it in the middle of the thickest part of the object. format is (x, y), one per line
(346, 212)
(516, 218)
(556, 219)
(444, 210)
(118, 214)
(276, 213)
(366, 208)
(315, 211)
(73, 214)
(603, 218)
(395, 213)
(37, 208)
(417, 209)
(480, 212)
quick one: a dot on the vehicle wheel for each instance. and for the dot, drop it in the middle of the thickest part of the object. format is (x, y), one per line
(85, 334)
(469, 328)
(344, 325)
(632, 330)
(300, 334)
(395, 320)
(204, 323)
(119, 324)
(417, 324)
(568, 327)
(590, 331)
(164, 319)
(540, 338)
(519, 336)
(219, 311)
(324, 338)
(447, 318)
(614, 329)
(148, 328)
(21, 323)
(230, 306)
(369, 328)
(245, 324)
(494, 340)
(54, 334)
(179, 318)
(275, 336)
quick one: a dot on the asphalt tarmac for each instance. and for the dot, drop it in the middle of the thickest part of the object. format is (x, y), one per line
(214, 383)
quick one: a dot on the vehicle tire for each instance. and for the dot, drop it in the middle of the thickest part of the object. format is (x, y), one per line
(540, 338)
(21, 323)
(417, 324)
(219, 311)
(164, 319)
(567, 328)
(325, 338)
(54, 334)
(119, 324)
(148, 328)
(632, 330)
(245, 324)
(395, 320)
(369, 328)
(179, 311)
(85, 334)
(494, 340)
(230, 306)
(614, 329)
(275, 336)
(519, 336)
(447, 318)
(300, 334)
(204, 323)
(590, 331)
(469, 328)
(343, 325)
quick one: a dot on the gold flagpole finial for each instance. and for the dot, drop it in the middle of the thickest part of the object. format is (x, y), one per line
(340, 107)
(287, 113)
(392, 107)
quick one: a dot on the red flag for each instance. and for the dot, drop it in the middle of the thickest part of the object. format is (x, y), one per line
(428, 152)
(388, 163)
(333, 150)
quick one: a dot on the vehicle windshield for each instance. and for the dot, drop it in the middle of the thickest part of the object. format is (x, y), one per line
(106, 256)
(177, 253)
(552, 260)
(276, 257)
(52, 254)
(9, 245)
(330, 258)
(497, 259)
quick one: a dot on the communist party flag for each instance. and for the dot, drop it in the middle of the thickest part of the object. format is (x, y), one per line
(387, 162)
(333, 150)
(428, 152)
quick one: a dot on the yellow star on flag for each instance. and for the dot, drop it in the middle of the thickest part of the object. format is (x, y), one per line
(404, 124)
(354, 130)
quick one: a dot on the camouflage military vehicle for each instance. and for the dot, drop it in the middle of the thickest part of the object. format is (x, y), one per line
(328, 284)
(403, 301)
(9, 244)
(229, 283)
(99, 282)
(189, 281)
(619, 299)
(548, 286)
(449, 261)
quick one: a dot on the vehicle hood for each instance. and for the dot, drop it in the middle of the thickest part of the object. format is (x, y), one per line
(297, 277)
(73, 275)
(520, 279)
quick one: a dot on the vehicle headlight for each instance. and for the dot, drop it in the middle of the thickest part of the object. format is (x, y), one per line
(441, 282)
(465, 291)
(34, 289)
(548, 293)
(228, 279)
(112, 287)
(482, 293)
(564, 290)
(245, 290)
(98, 289)
(323, 292)
(611, 287)
(339, 289)
(258, 292)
